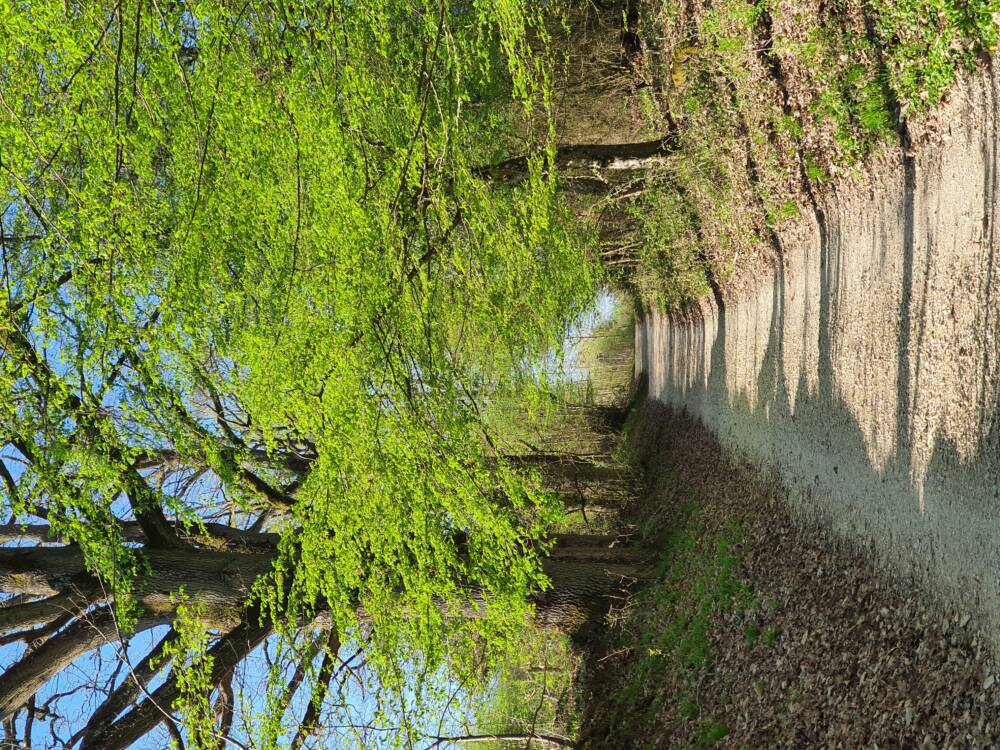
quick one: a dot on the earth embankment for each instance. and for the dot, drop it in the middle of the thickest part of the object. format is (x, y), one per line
(866, 368)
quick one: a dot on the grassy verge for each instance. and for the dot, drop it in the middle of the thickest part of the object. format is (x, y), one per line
(667, 629)
(649, 687)
(761, 632)
(771, 100)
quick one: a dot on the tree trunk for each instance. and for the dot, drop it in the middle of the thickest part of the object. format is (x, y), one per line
(561, 468)
(590, 157)
(584, 571)
(582, 568)
(220, 581)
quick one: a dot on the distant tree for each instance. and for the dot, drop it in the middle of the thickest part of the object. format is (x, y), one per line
(255, 278)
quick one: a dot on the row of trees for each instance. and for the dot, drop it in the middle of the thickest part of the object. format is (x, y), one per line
(264, 264)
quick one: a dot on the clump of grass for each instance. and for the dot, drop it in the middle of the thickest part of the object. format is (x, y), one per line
(711, 732)
(928, 41)
(700, 580)
(672, 270)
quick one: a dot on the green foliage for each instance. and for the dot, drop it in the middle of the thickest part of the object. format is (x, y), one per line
(814, 171)
(787, 209)
(765, 92)
(279, 214)
(193, 668)
(672, 272)
(928, 41)
(533, 689)
(583, 380)
(710, 733)
(595, 366)
(700, 581)
(852, 96)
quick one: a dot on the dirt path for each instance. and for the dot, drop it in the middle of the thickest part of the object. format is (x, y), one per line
(761, 633)
(865, 368)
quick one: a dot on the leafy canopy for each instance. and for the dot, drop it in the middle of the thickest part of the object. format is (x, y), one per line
(260, 237)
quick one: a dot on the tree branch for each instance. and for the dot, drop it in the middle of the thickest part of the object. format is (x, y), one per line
(615, 156)
(310, 721)
(228, 701)
(122, 696)
(8, 480)
(22, 680)
(254, 483)
(226, 654)
(40, 612)
(219, 580)
(145, 502)
(220, 535)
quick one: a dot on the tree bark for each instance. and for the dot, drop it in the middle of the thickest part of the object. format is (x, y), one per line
(220, 534)
(219, 581)
(614, 157)
(584, 571)
(30, 614)
(582, 567)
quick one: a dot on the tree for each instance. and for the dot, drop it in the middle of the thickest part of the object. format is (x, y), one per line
(69, 605)
(257, 287)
